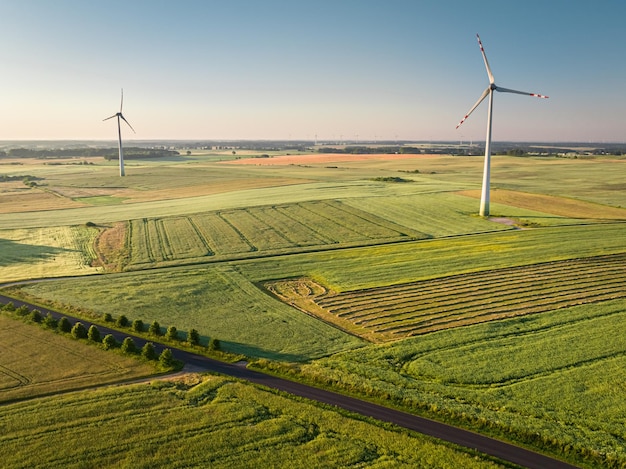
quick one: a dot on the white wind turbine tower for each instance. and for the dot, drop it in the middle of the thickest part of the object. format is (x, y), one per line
(119, 116)
(484, 196)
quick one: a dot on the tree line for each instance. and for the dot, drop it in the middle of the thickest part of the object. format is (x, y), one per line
(79, 331)
(106, 153)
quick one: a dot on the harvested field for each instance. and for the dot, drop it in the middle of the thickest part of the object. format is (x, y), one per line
(322, 158)
(564, 207)
(399, 311)
(36, 362)
(30, 200)
(60, 197)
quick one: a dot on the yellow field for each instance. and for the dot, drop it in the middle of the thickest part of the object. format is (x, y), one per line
(561, 206)
(36, 362)
(46, 252)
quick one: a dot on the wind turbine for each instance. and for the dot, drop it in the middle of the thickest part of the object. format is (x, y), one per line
(119, 116)
(484, 196)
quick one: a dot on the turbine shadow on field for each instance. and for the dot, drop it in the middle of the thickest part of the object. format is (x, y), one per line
(12, 252)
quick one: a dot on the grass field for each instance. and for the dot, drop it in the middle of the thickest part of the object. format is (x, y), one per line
(224, 301)
(210, 423)
(265, 230)
(553, 379)
(35, 362)
(217, 301)
(370, 267)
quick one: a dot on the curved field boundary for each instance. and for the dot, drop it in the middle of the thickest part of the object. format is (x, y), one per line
(398, 311)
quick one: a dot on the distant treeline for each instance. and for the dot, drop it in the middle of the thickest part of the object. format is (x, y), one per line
(106, 153)
(360, 150)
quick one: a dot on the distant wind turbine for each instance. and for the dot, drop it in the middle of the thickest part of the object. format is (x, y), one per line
(484, 196)
(119, 116)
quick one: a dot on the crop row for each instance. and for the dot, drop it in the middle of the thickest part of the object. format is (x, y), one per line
(267, 228)
(414, 308)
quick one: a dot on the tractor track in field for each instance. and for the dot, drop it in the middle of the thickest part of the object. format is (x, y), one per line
(199, 364)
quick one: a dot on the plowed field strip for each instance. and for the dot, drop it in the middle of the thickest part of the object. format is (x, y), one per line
(466, 281)
(451, 298)
(401, 310)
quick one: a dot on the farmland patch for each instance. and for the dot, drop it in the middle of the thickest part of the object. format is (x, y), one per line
(47, 252)
(36, 362)
(207, 421)
(239, 233)
(561, 206)
(553, 380)
(399, 311)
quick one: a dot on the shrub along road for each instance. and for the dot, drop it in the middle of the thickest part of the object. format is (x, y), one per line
(458, 436)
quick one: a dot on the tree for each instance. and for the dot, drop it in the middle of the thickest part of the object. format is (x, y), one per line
(79, 331)
(214, 344)
(93, 333)
(193, 337)
(122, 321)
(137, 325)
(35, 316)
(155, 328)
(166, 359)
(128, 346)
(148, 351)
(172, 333)
(64, 325)
(22, 310)
(109, 342)
(50, 321)
(9, 306)
(107, 317)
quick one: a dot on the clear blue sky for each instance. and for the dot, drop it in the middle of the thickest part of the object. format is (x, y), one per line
(280, 69)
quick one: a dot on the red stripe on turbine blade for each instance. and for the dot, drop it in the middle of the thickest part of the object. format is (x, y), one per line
(462, 120)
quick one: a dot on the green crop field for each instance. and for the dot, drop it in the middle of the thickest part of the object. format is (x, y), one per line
(264, 230)
(356, 257)
(217, 301)
(554, 379)
(210, 423)
(35, 362)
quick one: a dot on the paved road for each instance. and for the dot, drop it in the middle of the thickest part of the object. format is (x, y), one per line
(493, 447)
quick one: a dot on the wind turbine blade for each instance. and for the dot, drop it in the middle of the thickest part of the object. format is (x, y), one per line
(114, 115)
(482, 51)
(122, 100)
(480, 100)
(507, 90)
(131, 127)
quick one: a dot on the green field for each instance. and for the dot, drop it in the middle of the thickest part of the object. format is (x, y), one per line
(267, 230)
(217, 301)
(201, 243)
(555, 380)
(212, 423)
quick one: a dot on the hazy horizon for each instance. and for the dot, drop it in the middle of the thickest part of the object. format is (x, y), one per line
(328, 71)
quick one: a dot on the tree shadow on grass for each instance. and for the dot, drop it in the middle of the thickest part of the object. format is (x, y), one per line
(258, 352)
(12, 252)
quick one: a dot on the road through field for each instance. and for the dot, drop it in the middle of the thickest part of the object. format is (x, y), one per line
(458, 436)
